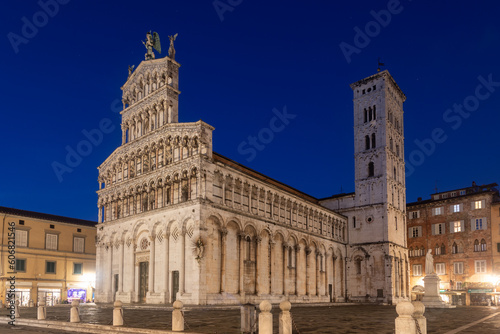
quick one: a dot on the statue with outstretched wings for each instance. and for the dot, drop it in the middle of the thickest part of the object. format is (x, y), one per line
(171, 49)
(152, 41)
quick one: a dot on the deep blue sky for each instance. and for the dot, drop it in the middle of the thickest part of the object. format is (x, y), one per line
(262, 55)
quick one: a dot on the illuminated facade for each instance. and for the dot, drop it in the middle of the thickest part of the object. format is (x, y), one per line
(55, 257)
(458, 227)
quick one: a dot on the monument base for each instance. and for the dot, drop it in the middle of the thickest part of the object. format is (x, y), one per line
(431, 297)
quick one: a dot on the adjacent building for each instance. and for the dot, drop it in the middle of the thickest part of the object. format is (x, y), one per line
(54, 257)
(178, 221)
(461, 228)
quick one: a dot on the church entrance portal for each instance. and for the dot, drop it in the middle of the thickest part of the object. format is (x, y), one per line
(143, 280)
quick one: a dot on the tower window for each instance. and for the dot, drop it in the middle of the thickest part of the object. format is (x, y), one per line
(371, 169)
(373, 140)
(374, 112)
(370, 115)
(367, 142)
(366, 115)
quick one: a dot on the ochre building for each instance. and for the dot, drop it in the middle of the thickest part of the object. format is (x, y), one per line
(54, 257)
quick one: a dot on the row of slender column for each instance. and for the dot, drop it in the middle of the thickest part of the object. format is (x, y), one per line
(285, 255)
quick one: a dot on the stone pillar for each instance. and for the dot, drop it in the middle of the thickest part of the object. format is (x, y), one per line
(271, 250)
(265, 318)
(418, 315)
(241, 264)
(285, 318)
(41, 311)
(118, 313)
(257, 263)
(74, 313)
(166, 274)
(99, 213)
(177, 317)
(285, 265)
(182, 277)
(405, 324)
(151, 282)
(308, 251)
(223, 235)
(297, 257)
(109, 267)
(318, 273)
(248, 318)
(120, 266)
(16, 309)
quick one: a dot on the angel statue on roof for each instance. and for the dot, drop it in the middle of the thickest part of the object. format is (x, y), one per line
(171, 49)
(152, 41)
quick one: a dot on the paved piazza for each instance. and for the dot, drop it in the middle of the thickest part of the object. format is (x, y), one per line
(309, 319)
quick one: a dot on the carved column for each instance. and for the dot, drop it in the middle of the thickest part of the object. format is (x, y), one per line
(285, 267)
(124, 134)
(257, 262)
(183, 263)
(223, 235)
(120, 266)
(99, 214)
(110, 270)
(271, 262)
(166, 273)
(297, 258)
(151, 283)
(318, 268)
(308, 252)
(241, 288)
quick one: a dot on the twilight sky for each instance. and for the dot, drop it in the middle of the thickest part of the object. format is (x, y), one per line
(242, 62)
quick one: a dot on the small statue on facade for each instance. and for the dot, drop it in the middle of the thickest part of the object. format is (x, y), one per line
(130, 70)
(171, 49)
(429, 263)
(152, 41)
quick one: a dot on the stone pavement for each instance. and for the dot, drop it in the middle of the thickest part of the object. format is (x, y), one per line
(308, 319)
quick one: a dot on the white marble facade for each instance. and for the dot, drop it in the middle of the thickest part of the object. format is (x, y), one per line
(178, 221)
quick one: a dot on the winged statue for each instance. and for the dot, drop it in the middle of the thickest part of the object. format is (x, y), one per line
(152, 41)
(171, 49)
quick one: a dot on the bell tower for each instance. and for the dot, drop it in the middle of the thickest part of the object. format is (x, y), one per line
(379, 160)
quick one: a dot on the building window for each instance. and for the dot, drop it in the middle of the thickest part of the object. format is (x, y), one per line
(51, 241)
(50, 267)
(373, 141)
(354, 222)
(478, 204)
(415, 214)
(458, 285)
(440, 269)
(371, 169)
(437, 250)
(478, 224)
(367, 143)
(443, 249)
(456, 248)
(458, 268)
(457, 208)
(457, 226)
(410, 251)
(77, 268)
(78, 245)
(21, 238)
(453, 194)
(417, 270)
(483, 245)
(20, 265)
(357, 263)
(422, 251)
(462, 192)
(438, 229)
(480, 266)
(437, 211)
(415, 232)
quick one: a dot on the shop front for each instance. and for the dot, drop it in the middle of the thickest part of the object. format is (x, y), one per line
(50, 293)
(22, 293)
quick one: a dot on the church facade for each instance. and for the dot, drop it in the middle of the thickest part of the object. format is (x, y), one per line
(178, 221)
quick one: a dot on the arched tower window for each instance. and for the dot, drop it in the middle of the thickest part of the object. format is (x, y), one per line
(437, 250)
(476, 246)
(357, 264)
(366, 115)
(370, 114)
(373, 141)
(371, 169)
(374, 112)
(367, 142)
